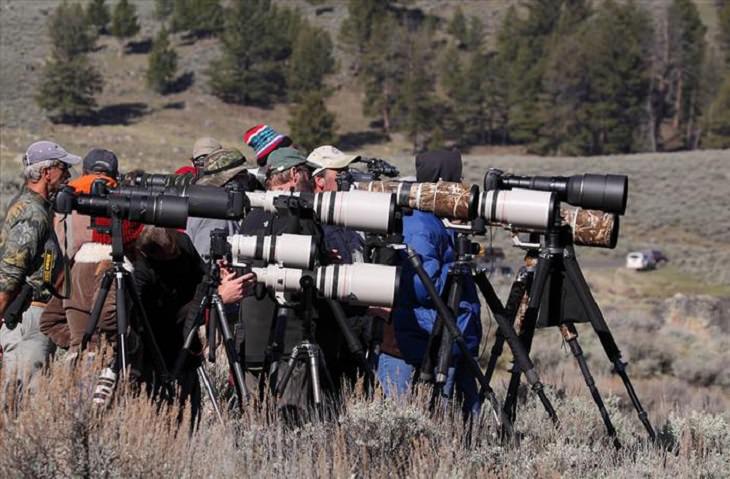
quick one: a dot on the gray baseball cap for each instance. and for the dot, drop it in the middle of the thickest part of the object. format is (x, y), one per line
(48, 150)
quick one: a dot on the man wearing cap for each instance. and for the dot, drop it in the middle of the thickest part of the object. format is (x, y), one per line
(270, 328)
(263, 140)
(203, 147)
(27, 256)
(224, 168)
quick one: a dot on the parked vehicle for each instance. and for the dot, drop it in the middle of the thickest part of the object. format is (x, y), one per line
(640, 261)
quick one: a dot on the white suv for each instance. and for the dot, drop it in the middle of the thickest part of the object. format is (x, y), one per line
(640, 261)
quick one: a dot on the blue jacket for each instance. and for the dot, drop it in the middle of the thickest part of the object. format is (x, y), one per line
(414, 315)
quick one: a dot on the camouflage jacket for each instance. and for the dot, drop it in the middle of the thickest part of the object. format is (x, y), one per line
(23, 242)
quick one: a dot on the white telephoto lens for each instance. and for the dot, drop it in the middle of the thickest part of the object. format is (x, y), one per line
(289, 250)
(518, 209)
(358, 210)
(281, 280)
(359, 283)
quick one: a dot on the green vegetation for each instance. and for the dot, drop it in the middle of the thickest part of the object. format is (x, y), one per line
(200, 18)
(162, 64)
(311, 60)
(125, 23)
(310, 122)
(69, 81)
(97, 15)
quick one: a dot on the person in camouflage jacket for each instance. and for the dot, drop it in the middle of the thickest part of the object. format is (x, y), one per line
(28, 259)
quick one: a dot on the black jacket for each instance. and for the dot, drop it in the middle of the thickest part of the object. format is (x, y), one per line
(258, 311)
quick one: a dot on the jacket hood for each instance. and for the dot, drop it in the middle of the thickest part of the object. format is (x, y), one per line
(443, 165)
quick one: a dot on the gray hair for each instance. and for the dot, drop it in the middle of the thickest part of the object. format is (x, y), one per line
(33, 172)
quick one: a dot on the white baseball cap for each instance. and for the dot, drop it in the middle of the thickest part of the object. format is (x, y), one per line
(327, 157)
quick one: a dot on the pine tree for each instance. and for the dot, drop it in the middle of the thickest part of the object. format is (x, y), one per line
(596, 83)
(162, 64)
(163, 9)
(310, 61)
(97, 15)
(382, 70)
(251, 67)
(718, 124)
(310, 122)
(474, 38)
(67, 88)
(723, 36)
(458, 27)
(68, 80)
(200, 18)
(124, 21)
(687, 47)
(69, 31)
(356, 31)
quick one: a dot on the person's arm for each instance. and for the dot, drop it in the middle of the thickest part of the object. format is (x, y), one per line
(21, 247)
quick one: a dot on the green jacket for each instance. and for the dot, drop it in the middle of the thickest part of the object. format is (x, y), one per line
(23, 238)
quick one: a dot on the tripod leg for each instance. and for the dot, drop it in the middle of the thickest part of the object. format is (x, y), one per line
(580, 285)
(230, 349)
(450, 324)
(571, 337)
(353, 343)
(101, 295)
(522, 358)
(122, 323)
(210, 391)
(313, 363)
(529, 323)
(444, 353)
(281, 387)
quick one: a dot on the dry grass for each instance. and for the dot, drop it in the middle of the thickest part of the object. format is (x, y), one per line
(57, 433)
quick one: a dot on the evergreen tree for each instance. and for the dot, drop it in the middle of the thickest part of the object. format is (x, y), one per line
(382, 70)
(200, 18)
(687, 47)
(356, 31)
(310, 123)
(97, 15)
(69, 31)
(67, 88)
(723, 37)
(415, 106)
(718, 124)
(163, 9)
(474, 35)
(458, 27)
(124, 21)
(251, 67)
(310, 61)
(162, 64)
(596, 84)
(68, 80)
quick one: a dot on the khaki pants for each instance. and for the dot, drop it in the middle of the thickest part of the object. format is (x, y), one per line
(25, 348)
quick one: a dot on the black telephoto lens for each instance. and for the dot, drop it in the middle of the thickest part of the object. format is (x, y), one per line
(599, 192)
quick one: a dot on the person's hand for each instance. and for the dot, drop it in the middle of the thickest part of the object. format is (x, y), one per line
(233, 288)
(334, 256)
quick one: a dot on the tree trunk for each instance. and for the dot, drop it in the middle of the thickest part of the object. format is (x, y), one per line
(688, 141)
(678, 103)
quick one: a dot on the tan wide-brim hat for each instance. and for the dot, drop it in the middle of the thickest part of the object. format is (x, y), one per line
(327, 157)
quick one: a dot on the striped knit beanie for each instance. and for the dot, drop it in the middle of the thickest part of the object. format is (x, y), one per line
(263, 140)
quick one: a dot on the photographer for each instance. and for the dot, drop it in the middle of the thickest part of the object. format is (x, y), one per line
(203, 147)
(224, 168)
(271, 329)
(414, 315)
(169, 273)
(29, 256)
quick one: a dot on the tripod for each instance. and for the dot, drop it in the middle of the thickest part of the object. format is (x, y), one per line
(307, 351)
(459, 271)
(126, 291)
(217, 323)
(557, 256)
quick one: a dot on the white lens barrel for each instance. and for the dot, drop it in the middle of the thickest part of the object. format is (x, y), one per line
(289, 250)
(281, 280)
(359, 283)
(518, 209)
(358, 210)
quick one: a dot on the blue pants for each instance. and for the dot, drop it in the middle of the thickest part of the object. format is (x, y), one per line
(395, 375)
